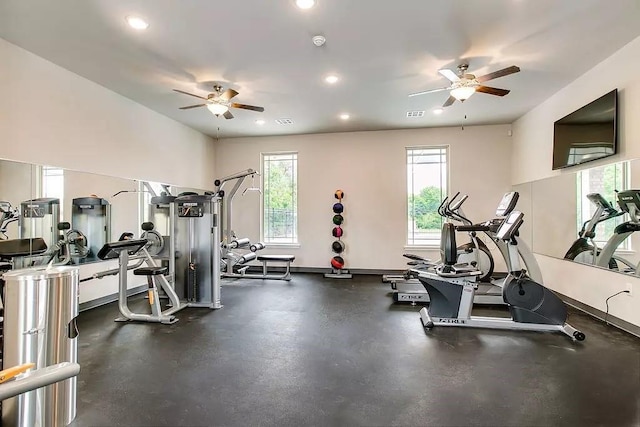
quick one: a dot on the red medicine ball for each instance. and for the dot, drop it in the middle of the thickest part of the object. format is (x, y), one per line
(337, 232)
(337, 262)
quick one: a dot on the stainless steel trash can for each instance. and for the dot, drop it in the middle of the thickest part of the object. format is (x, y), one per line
(40, 310)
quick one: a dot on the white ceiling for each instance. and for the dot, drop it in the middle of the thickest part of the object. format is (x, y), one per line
(381, 50)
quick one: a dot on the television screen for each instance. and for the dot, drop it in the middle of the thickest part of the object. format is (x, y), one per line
(586, 134)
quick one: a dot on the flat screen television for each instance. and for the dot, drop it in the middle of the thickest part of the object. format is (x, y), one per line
(589, 133)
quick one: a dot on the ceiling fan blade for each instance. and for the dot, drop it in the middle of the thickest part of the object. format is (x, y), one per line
(449, 75)
(450, 100)
(228, 115)
(492, 90)
(247, 107)
(190, 94)
(228, 94)
(429, 91)
(499, 73)
(193, 106)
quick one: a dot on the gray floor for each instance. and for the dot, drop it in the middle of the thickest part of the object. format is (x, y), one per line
(339, 353)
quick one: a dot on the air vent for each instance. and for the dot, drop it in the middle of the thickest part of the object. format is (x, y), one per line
(415, 113)
(284, 121)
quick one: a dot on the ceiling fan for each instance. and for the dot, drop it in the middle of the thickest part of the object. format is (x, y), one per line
(464, 85)
(219, 102)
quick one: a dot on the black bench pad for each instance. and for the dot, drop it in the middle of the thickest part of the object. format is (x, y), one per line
(22, 247)
(282, 258)
(150, 271)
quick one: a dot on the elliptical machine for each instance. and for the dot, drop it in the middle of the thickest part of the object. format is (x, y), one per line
(452, 288)
(629, 202)
(584, 249)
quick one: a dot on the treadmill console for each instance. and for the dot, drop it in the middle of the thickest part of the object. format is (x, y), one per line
(507, 204)
(629, 198)
(598, 200)
(510, 225)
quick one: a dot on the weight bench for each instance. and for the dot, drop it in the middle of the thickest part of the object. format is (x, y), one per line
(286, 259)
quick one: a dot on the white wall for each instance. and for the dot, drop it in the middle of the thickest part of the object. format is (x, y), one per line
(370, 167)
(532, 154)
(51, 116)
(533, 132)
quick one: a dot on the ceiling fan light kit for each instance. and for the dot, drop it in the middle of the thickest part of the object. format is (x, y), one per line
(463, 93)
(463, 84)
(219, 102)
(217, 109)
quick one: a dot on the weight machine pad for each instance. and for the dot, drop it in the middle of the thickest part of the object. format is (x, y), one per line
(282, 258)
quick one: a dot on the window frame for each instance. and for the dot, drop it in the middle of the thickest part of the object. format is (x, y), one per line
(42, 191)
(434, 243)
(295, 243)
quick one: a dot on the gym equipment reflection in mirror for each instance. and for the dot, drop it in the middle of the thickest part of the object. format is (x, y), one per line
(575, 215)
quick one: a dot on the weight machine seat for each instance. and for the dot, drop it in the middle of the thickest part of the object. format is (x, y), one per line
(22, 247)
(283, 258)
(150, 271)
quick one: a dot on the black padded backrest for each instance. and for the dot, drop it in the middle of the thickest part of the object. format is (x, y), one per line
(448, 246)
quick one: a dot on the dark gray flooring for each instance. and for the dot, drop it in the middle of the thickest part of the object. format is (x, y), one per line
(327, 352)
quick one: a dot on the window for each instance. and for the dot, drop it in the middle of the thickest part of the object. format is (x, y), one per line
(604, 180)
(147, 190)
(53, 184)
(280, 198)
(426, 188)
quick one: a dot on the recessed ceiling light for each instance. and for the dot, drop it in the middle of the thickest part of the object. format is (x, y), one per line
(344, 116)
(331, 79)
(438, 111)
(260, 122)
(305, 4)
(137, 23)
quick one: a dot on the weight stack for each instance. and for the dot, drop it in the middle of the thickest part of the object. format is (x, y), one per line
(338, 247)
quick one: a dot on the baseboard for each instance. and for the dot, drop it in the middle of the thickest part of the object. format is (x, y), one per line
(600, 315)
(107, 299)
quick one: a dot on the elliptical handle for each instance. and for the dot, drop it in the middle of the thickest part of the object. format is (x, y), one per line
(447, 211)
(459, 203)
(441, 207)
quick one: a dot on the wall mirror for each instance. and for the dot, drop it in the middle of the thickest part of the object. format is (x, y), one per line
(73, 212)
(577, 216)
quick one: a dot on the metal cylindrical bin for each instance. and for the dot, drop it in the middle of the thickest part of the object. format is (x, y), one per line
(40, 310)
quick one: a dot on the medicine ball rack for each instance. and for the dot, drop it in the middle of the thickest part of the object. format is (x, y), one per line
(337, 262)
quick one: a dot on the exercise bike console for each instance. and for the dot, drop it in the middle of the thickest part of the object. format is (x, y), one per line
(112, 250)
(510, 226)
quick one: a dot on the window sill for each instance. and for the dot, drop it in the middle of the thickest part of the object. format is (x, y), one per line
(282, 245)
(422, 248)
